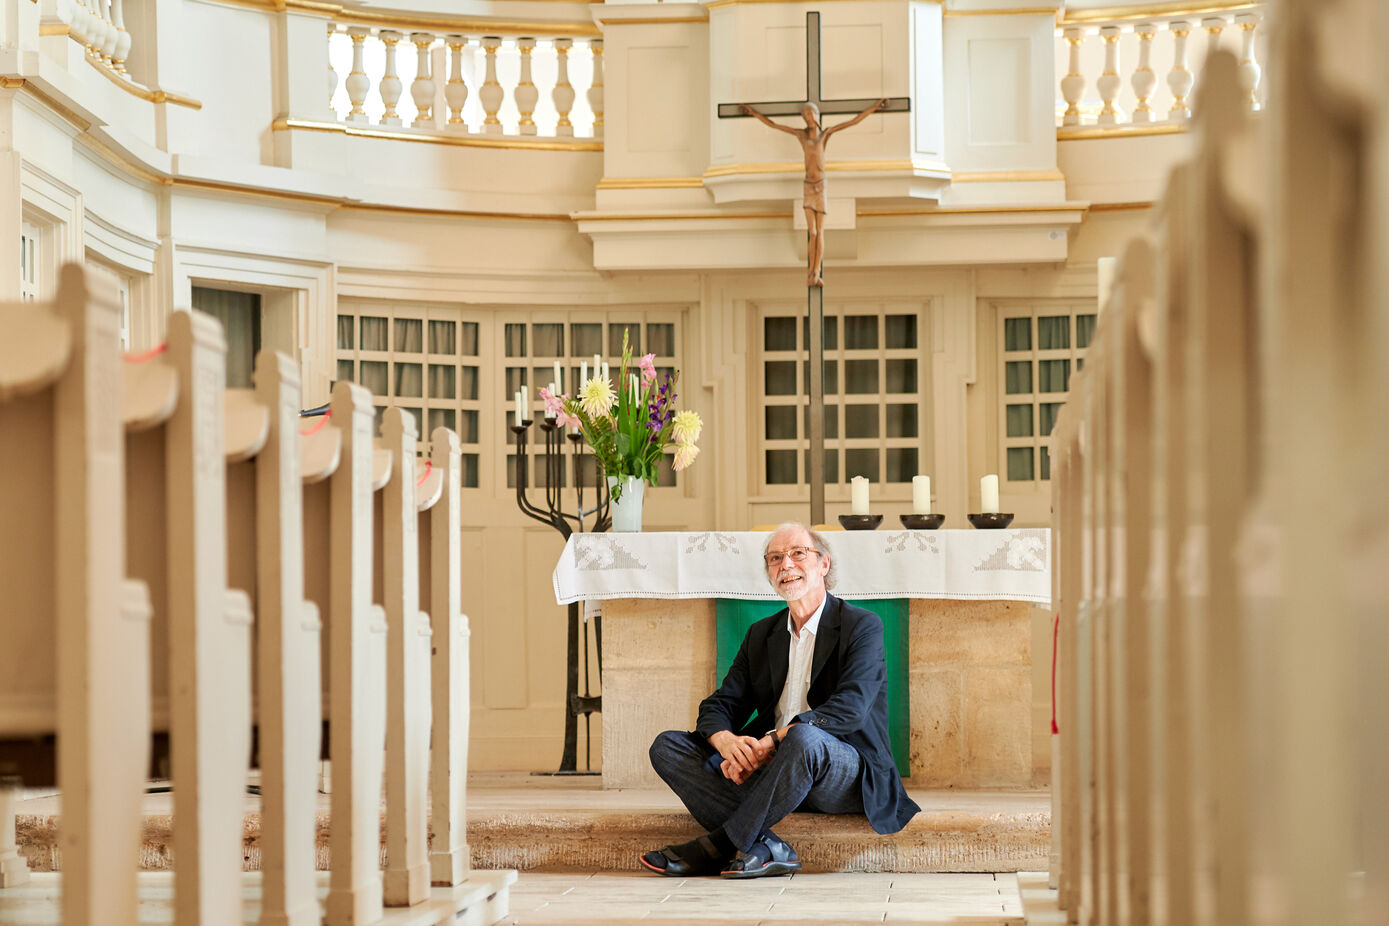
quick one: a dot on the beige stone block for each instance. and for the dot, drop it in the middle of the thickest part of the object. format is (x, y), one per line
(936, 740)
(651, 632)
(997, 727)
(638, 704)
(975, 633)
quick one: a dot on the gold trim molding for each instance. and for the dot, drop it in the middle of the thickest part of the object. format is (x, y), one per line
(653, 21)
(1140, 11)
(976, 210)
(721, 3)
(682, 216)
(1136, 206)
(53, 29)
(151, 94)
(438, 24)
(797, 167)
(1086, 132)
(650, 183)
(467, 141)
(1012, 11)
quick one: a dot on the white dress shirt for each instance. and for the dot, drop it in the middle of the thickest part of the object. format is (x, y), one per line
(801, 654)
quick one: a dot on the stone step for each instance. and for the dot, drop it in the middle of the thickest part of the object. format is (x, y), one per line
(548, 824)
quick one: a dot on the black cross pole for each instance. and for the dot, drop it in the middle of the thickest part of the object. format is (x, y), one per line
(815, 295)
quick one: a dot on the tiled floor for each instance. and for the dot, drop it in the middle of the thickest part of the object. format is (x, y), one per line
(615, 899)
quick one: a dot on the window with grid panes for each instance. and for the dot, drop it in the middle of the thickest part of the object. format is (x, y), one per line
(1041, 346)
(875, 405)
(530, 346)
(422, 359)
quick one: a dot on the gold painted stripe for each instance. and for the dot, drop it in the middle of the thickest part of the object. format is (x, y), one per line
(653, 20)
(466, 141)
(11, 83)
(53, 28)
(1141, 11)
(718, 3)
(1121, 207)
(650, 183)
(1005, 176)
(974, 210)
(406, 23)
(682, 216)
(151, 94)
(1010, 11)
(781, 167)
(1074, 133)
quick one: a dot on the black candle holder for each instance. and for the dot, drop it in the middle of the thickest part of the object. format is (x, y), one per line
(553, 514)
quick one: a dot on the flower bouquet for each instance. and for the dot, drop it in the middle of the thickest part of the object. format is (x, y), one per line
(628, 429)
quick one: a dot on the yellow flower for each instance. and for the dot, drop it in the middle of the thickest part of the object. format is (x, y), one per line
(685, 453)
(597, 398)
(687, 428)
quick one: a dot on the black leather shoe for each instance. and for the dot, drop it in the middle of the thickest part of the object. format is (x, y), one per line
(692, 859)
(769, 856)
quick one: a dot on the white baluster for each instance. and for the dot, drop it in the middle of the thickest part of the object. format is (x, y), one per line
(1249, 70)
(422, 87)
(455, 91)
(122, 51)
(81, 23)
(526, 94)
(109, 36)
(390, 81)
(358, 84)
(1073, 84)
(491, 93)
(1144, 79)
(595, 89)
(1179, 79)
(332, 74)
(563, 94)
(1109, 82)
(1214, 25)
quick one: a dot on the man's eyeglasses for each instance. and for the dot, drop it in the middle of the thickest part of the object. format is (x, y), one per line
(795, 555)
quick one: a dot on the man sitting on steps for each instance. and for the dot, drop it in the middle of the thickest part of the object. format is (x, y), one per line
(799, 723)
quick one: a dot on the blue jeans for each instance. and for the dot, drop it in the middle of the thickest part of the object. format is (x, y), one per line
(811, 771)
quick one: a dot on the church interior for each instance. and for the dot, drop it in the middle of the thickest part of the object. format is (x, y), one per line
(292, 271)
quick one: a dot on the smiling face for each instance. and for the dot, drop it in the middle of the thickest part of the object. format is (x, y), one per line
(795, 581)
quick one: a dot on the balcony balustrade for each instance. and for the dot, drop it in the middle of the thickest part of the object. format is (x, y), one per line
(1133, 72)
(544, 86)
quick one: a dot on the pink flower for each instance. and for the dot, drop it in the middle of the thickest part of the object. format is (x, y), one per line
(648, 368)
(554, 404)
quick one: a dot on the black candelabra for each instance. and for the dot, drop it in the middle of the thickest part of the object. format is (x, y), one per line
(553, 514)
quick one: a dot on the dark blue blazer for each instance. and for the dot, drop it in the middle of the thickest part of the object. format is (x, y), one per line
(847, 698)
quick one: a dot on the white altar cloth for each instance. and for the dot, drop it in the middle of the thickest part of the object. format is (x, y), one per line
(1010, 565)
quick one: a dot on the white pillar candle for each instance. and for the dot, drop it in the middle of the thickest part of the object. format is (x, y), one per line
(988, 494)
(921, 494)
(517, 398)
(858, 495)
(583, 373)
(526, 404)
(597, 365)
(559, 376)
(605, 370)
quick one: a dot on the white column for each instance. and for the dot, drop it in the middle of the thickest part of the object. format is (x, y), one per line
(1250, 72)
(491, 93)
(1109, 82)
(332, 74)
(595, 89)
(564, 91)
(1144, 78)
(1179, 79)
(422, 87)
(1214, 25)
(357, 81)
(456, 91)
(390, 81)
(1073, 84)
(526, 94)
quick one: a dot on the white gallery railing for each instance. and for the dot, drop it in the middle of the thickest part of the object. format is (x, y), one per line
(541, 85)
(1143, 71)
(99, 25)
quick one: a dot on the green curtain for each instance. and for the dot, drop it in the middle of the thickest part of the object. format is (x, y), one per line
(734, 617)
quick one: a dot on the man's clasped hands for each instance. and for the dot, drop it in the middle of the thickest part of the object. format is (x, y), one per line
(743, 755)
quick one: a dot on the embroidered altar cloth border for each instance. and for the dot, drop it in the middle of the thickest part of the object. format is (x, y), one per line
(1013, 565)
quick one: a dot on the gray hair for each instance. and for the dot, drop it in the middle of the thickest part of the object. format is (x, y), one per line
(817, 542)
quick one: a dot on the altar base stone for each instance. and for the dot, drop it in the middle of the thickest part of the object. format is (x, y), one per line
(658, 664)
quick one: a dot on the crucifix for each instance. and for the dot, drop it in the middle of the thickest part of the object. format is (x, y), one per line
(813, 140)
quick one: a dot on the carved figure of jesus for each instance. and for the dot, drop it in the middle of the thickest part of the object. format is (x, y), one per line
(813, 140)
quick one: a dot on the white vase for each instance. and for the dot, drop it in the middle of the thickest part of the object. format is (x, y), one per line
(626, 511)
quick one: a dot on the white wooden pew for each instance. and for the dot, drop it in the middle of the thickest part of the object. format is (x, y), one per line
(201, 636)
(75, 659)
(266, 559)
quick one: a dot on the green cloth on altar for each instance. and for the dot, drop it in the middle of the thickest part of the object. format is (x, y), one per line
(733, 617)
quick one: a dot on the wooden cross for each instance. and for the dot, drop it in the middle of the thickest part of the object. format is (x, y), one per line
(815, 293)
